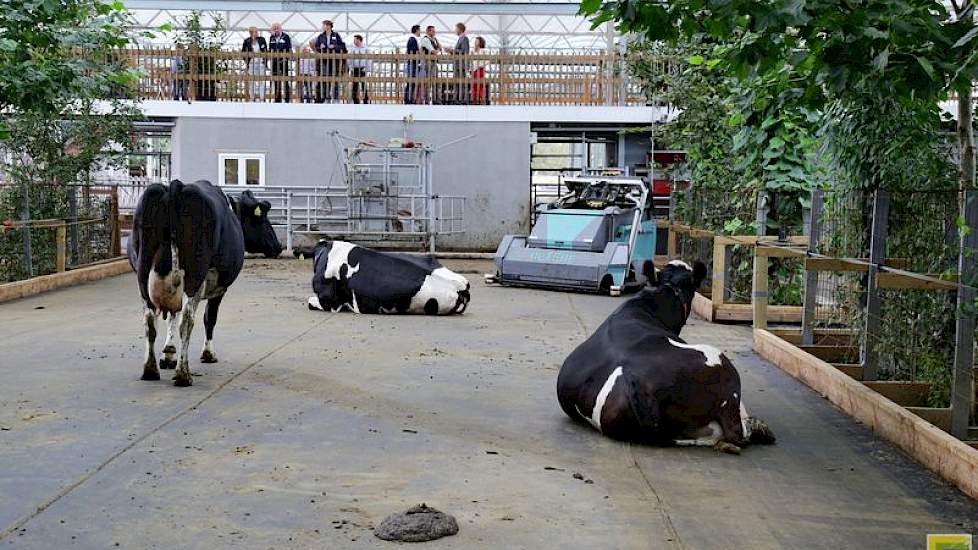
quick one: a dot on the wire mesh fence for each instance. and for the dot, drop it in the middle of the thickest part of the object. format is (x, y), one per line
(71, 226)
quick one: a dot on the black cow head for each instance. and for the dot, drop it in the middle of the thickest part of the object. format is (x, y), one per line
(679, 275)
(259, 236)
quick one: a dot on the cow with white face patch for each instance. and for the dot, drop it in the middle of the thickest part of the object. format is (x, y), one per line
(186, 247)
(358, 279)
(635, 379)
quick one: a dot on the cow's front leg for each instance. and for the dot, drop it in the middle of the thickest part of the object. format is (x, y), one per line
(169, 359)
(150, 372)
(210, 319)
(183, 376)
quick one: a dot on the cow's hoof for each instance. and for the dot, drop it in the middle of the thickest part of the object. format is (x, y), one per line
(168, 364)
(729, 448)
(183, 381)
(208, 356)
(490, 278)
(760, 433)
(150, 373)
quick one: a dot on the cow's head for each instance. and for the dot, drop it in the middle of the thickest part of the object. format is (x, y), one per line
(679, 279)
(259, 236)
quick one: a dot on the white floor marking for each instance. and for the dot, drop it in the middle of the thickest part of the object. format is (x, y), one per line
(599, 402)
(711, 353)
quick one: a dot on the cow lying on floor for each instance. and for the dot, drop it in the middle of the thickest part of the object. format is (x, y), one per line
(347, 276)
(634, 379)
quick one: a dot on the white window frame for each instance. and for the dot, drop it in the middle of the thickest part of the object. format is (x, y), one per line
(242, 172)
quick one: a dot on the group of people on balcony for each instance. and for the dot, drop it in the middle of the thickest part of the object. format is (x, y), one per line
(425, 85)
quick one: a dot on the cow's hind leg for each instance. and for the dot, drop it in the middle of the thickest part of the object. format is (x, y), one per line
(169, 359)
(183, 376)
(150, 372)
(210, 319)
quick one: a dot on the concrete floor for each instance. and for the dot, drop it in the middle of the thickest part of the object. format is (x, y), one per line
(315, 426)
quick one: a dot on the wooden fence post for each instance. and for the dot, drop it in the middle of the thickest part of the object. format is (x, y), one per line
(811, 277)
(61, 244)
(962, 388)
(114, 224)
(720, 263)
(877, 256)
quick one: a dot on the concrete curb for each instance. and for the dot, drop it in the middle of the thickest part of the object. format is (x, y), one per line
(935, 449)
(45, 283)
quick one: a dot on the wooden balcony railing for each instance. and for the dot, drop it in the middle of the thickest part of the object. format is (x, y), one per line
(388, 78)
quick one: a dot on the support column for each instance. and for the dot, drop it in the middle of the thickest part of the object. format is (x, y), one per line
(963, 385)
(811, 277)
(877, 255)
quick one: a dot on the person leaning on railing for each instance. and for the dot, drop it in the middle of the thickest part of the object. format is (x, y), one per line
(178, 70)
(411, 67)
(460, 91)
(307, 70)
(255, 43)
(359, 67)
(329, 42)
(430, 48)
(281, 44)
(479, 95)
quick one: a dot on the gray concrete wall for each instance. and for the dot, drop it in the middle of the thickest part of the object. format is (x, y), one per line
(492, 169)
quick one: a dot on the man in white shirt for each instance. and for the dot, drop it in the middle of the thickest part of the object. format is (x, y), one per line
(359, 67)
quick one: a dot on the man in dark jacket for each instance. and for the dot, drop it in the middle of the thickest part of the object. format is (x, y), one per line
(329, 42)
(281, 44)
(411, 68)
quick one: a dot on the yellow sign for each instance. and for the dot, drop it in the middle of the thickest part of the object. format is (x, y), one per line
(949, 542)
(258, 211)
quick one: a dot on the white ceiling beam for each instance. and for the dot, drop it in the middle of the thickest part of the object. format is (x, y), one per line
(365, 6)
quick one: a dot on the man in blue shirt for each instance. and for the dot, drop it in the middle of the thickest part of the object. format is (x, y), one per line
(329, 42)
(280, 43)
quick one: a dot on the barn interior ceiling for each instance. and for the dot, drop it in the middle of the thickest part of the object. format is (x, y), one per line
(517, 26)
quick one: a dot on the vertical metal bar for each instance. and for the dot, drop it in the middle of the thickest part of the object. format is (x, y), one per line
(288, 221)
(811, 277)
(761, 214)
(877, 255)
(759, 290)
(25, 217)
(963, 385)
(60, 238)
(73, 218)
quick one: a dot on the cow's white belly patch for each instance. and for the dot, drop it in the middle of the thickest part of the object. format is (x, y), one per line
(602, 398)
(441, 290)
(460, 282)
(711, 353)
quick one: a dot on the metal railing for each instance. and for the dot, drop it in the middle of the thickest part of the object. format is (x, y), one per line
(389, 78)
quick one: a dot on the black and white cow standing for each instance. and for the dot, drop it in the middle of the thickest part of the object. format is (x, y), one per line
(348, 276)
(635, 379)
(259, 235)
(186, 247)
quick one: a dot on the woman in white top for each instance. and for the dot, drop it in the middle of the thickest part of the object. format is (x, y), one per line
(479, 95)
(255, 65)
(307, 70)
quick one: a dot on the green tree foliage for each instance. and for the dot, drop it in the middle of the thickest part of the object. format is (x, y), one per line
(55, 53)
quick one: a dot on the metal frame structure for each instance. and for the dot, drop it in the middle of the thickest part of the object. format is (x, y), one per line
(518, 26)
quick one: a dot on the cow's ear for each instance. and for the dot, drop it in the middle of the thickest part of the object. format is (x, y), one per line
(265, 206)
(699, 273)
